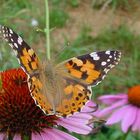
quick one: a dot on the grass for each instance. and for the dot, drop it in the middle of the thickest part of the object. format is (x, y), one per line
(58, 18)
(18, 14)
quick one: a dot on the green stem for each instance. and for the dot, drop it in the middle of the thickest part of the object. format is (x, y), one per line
(47, 31)
(125, 135)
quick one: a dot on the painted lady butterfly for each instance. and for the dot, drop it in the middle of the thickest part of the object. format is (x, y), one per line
(65, 88)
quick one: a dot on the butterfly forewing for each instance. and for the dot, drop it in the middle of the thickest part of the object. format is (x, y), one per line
(93, 67)
(26, 56)
(29, 62)
(85, 71)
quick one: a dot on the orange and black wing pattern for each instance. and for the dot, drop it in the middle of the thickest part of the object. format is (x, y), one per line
(26, 56)
(76, 95)
(29, 62)
(83, 72)
(92, 68)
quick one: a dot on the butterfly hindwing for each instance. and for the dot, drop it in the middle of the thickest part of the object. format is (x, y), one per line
(36, 88)
(76, 95)
(93, 67)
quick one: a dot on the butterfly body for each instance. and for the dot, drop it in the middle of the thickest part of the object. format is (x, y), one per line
(57, 90)
(61, 89)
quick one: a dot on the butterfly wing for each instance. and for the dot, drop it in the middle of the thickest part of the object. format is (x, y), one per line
(26, 56)
(85, 71)
(92, 68)
(75, 96)
(29, 62)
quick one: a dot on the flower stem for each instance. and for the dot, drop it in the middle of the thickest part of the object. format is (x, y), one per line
(125, 135)
(47, 31)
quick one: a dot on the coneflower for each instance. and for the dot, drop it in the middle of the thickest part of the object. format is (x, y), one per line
(19, 116)
(123, 108)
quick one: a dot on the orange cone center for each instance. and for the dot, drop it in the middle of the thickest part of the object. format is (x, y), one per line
(134, 95)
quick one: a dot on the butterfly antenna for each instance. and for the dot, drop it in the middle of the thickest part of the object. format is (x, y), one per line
(62, 50)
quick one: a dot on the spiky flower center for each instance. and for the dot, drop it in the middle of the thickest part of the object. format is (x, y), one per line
(134, 95)
(18, 112)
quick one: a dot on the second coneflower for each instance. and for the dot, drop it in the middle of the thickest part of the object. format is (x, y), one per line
(19, 116)
(124, 108)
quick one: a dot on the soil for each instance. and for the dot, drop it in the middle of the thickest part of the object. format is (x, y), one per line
(97, 20)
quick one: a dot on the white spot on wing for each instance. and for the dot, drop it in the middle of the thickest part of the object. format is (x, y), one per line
(20, 40)
(111, 66)
(106, 70)
(103, 63)
(108, 60)
(107, 52)
(11, 31)
(12, 40)
(3, 31)
(95, 56)
(15, 44)
(4, 35)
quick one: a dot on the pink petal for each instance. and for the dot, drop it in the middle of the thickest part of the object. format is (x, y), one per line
(17, 137)
(111, 99)
(136, 125)
(116, 116)
(129, 117)
(109, 109)
(79, 117)
(36, 136)
(2, 135)
(89, 107)
(54, 134)
(75, 126)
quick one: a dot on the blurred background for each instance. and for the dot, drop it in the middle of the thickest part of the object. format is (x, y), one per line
(79, 27)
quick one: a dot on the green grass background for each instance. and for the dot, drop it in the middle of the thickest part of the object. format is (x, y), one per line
(18, 14)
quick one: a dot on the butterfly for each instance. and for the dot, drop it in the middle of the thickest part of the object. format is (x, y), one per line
(60, 89)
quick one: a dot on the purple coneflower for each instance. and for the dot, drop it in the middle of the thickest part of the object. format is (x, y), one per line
(124, 108)
(19, 116)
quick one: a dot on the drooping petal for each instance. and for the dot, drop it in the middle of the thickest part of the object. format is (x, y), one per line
(89, 107)
(136, 125)
(17, 137)
(130, 113)
(54, 134)
(80, 118)
(111, 99)
(78, 122)
(75, 126)
(109, 109)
